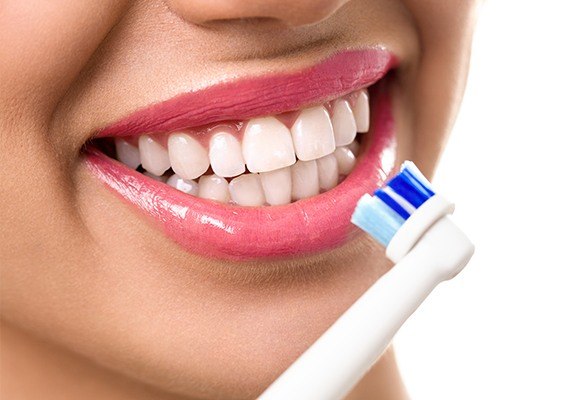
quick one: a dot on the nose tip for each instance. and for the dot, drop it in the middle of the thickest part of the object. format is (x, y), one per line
(285, 12)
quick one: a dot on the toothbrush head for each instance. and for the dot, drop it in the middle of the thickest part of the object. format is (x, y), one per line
(384, 213)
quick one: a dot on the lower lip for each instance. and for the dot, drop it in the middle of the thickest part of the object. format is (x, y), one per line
(230, 232)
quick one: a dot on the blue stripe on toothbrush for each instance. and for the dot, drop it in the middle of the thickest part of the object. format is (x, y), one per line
(405, 186)
(416, 176)
(394, 205)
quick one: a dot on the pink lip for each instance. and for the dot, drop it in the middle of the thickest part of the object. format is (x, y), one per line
(242, 233)
(235, 100)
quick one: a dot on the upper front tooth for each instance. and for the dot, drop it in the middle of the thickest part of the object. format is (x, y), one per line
(344, 128)
(277, 186)
(127, 153)
(154, 156)
(214, 187)
(305, 181)
(267, 145)
(188, 157)
(312, 134)
(226, 155)
(361, 111)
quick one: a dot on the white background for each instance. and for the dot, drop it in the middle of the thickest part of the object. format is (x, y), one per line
(505, 328)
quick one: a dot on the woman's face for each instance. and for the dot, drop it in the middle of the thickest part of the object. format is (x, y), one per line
(99, 271)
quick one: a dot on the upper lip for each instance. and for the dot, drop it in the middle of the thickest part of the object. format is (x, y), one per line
(338, 75)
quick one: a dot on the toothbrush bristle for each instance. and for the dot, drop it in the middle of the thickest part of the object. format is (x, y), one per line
(384, 213)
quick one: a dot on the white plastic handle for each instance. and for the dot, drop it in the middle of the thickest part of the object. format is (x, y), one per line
(332, 366)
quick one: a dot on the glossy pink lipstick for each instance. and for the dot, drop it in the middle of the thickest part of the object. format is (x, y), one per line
(241, 233)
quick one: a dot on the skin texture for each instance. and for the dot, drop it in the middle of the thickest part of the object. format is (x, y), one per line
(96, 303)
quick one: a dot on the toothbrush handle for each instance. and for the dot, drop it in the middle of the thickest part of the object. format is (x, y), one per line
(330, 368)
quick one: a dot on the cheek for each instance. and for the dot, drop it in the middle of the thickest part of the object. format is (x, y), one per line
(445, 33)
(48, 43)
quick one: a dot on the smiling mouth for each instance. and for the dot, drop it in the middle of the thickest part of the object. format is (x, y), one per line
(271, 160)
(269, 167)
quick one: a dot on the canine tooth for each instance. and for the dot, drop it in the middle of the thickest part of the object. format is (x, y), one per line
(312, 134)
(305, 180)
(127, 154)
(156, 177)
(361, 111)
(327, 172)
(343, 121)
(345, 160)
(226, 155)
(354, 147)
(184, 185)
(188, 157)
(246, 190)
(267, 145)
(153, 155)
(277, 186)
(214, 187)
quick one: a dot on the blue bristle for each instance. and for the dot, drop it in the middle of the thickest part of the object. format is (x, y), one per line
(384, 213)
(387, 199)
(409, 168)
(377, 219)
(404, 185)
(411, 187)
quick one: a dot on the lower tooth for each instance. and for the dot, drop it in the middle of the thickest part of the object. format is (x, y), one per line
(327, 172)
(127, 153)
(277, 186)
(305, 180)
(215, 188)
(184, 185)
(154, 156)
(246, 190)
(345, 160)
(354, 147)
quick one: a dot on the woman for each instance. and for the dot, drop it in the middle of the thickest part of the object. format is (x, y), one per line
(178, 178)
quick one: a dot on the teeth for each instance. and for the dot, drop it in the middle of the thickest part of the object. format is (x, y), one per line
(354, 147)
(277, 186)
(226, 155)
(127, 153)
(312, 134)
(305, 180)
(246, 190)
(184, 185)
(344, 128)
(361, 112)
(153, 155)
(345, 160)
(267, 145)
(271, 164)
(327, 172)
(215, 188)
(188, 157)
